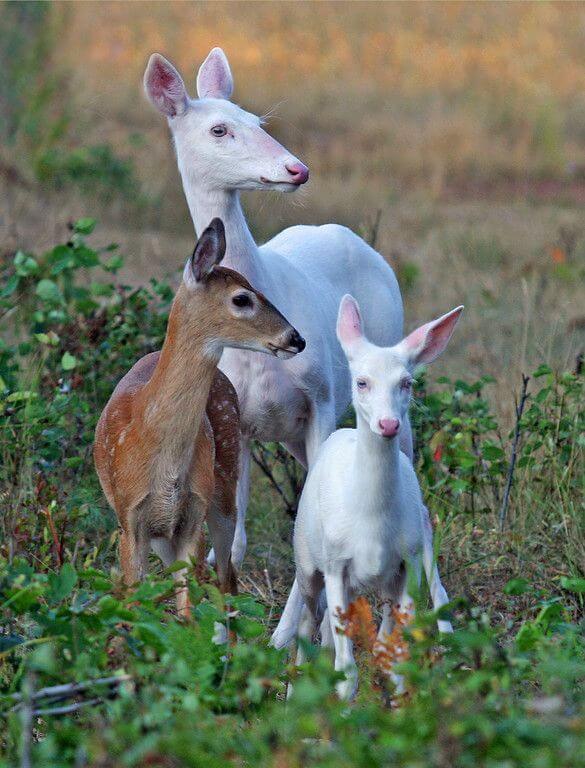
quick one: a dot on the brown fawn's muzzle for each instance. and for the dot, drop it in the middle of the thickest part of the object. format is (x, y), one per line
(290, 344)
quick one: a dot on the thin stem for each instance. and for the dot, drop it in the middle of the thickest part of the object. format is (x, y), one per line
(519, 411)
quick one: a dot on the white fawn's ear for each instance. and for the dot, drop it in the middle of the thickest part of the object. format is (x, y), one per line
(209, 251)
(214, 80)
(426, 343)
(164, 86)
(349, 324)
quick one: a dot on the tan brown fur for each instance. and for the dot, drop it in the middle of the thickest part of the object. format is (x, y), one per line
(167, 443)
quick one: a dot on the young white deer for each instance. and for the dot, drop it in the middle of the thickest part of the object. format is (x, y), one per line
(222, 149)
(166, 445)
(361, 519)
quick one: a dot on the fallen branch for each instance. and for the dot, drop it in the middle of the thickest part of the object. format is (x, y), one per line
(519, 411)
(57, 693)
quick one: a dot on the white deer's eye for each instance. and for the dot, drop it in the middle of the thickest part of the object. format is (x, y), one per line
(361, 384)
(406, 384)
(219, 130)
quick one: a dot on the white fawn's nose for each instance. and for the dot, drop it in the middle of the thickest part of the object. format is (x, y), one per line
(389, 427)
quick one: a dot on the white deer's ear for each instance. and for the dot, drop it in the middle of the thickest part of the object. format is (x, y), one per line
(214, 80)
(426, 343)
(164, 86)
(349, 324)
(209, 251)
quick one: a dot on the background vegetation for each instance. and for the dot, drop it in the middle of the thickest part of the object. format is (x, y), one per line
(453, 137)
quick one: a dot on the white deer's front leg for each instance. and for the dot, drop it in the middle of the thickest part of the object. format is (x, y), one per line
(344, 661)
(320, 425)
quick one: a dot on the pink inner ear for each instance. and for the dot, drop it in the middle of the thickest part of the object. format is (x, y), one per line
(214, 79)
(349, 328)
(416, 338)
(165, 87)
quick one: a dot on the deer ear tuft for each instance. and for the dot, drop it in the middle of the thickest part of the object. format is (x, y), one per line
(164, 86)
(209, 251)
(214, 79)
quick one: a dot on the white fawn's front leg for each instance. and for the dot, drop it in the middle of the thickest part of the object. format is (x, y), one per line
(337, 602)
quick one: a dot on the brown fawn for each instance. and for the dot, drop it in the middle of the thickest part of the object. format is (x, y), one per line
(167, 443)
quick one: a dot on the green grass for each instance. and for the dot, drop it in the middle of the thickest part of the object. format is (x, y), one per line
(505, 690)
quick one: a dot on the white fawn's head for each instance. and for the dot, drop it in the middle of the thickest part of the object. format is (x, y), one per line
(219, 145)
(224, 307)
(381, 377)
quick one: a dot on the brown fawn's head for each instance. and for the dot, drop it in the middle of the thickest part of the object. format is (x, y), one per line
(224, 304)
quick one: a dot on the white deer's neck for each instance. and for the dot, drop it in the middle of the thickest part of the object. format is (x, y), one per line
(241, 250)
(377, 468)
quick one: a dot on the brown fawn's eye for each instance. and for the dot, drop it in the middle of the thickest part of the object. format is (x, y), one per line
(242, 300)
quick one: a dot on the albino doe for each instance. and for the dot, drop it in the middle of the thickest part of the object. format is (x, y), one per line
(305, 270)
(166, 444)
(362, 521)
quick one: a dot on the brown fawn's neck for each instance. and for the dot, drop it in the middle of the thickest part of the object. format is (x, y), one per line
(175, 398)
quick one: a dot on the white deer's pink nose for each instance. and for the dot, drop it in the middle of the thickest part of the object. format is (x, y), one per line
(298, 171)
(389, 427)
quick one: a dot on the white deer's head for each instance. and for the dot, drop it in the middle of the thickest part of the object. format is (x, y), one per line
(381, 377)
(219, 145)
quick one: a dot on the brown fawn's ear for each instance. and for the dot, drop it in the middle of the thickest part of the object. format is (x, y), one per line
(209, 251)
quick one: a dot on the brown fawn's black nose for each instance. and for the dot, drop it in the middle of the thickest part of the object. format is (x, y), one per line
(297, 341)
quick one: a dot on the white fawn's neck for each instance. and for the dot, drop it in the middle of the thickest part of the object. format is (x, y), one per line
(241, 250)
(377, 468)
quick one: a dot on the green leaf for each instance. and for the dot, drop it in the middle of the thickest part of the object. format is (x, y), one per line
(573, 584)
(10, 287)
(517, 586)
(84, 226)
(61, 584)
(49, 291)
(68, 362)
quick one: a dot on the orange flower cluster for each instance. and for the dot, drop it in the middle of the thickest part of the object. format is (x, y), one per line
(360, 627)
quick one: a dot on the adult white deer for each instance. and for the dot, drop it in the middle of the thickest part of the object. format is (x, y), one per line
(304, 271)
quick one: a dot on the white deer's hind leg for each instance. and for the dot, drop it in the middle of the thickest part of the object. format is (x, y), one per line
(438, 593)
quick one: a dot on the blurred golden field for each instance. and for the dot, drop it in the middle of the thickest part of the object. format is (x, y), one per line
(462, 124)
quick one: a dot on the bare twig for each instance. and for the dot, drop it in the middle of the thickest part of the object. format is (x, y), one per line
(67, 708)
(289, 490)
(375, 228)
(26, 720)
(519, 411)
(70, 689)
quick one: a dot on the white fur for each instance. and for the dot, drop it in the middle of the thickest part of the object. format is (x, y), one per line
(304, 271)
(362, 522)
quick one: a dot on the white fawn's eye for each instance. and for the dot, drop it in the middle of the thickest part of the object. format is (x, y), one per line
(361, 384)
(406, 384)
(219, 130)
